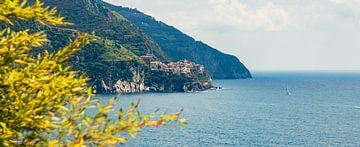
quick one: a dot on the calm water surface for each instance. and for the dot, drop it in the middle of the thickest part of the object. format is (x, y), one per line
(322, 110)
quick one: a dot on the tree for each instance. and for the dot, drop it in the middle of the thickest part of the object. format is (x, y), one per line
(43, 102)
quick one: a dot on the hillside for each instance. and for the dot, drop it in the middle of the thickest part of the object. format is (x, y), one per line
(92, 16)
(178, 46)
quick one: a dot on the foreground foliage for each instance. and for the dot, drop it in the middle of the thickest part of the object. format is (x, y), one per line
(43, 102)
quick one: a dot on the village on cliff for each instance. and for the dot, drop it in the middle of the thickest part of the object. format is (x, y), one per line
(185, 67)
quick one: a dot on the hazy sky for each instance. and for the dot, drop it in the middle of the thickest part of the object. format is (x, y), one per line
(269, 34)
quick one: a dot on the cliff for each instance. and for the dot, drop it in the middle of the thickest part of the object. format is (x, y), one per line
(147, 80)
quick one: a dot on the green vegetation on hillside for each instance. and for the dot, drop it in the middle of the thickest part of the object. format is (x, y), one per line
(92, 16)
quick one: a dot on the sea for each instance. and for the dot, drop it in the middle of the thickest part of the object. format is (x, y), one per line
(272, 109)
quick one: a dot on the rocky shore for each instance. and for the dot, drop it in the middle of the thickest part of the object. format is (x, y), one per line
(125, 87)
(156, 81)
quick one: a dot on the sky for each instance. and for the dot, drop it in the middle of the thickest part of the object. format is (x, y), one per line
(277, 35)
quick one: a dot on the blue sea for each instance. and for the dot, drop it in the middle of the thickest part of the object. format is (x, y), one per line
(323, 109)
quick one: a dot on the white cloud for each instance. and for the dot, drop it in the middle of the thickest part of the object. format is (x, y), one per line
(226, 15)
(230, 15)
(349, 3)
(268, 17)
(352, 6)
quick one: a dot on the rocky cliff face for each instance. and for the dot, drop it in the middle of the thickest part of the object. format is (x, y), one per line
(186, 87)
(120, 86)
(137, 84)
(197, 86)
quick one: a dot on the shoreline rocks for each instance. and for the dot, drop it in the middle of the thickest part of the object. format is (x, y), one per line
(126, 87)
(159, 81)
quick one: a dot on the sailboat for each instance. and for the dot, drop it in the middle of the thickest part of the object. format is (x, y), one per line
(288, 90)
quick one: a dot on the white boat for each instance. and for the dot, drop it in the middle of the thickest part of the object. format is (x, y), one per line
(288, 92)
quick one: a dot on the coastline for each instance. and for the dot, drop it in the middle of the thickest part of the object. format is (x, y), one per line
(215, 88)
(147, 90)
